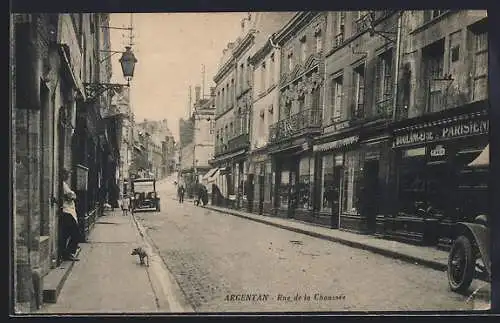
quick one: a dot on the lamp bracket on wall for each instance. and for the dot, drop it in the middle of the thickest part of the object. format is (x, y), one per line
(94, 90)
(390, 36)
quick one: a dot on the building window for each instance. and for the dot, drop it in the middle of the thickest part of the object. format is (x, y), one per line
(303, 49)
(361, 21)
(262, 125)
(242, 76)
(288, 110)
(383, 83)
(433, 59)
(290, 61)
(263, 77)
(271, 70)
(249, 75)
(315, 96)
(231, 130)
(302, 103)
(337, 97)
(359, 86)
(223, 103)
(432, 14)
(353, 174)
(480, 65)
(229, 98)
(339, 29)
(233, 89)
(318, 37)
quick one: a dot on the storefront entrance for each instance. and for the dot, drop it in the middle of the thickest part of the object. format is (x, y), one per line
(370, 194)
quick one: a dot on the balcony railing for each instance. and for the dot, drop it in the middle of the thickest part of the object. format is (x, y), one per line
(299, 123)
(383, 107)
(361, 24)
(239, 142)
(339, 39)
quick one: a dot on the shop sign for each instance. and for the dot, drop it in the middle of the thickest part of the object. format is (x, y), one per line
(438, 151)
(336, 126)
(336, 144)
(458, 130)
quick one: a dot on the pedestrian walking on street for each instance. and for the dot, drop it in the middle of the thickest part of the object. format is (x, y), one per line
(180, 193)
(125, 204)
(70, 229)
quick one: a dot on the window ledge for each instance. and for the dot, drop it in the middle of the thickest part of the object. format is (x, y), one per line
(431, 22)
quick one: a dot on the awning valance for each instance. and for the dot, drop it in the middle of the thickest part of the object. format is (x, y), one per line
(483, 159)
(336, 144)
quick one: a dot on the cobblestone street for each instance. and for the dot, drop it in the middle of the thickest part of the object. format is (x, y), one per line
(214, 257)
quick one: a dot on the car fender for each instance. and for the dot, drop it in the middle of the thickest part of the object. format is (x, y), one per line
(481, 236)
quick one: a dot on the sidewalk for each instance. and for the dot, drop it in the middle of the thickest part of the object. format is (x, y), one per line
(107, 278)
(425, 256)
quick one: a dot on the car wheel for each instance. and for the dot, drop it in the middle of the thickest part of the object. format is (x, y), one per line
(461, 265)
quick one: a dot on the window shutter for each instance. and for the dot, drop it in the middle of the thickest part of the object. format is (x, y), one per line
(378, 75)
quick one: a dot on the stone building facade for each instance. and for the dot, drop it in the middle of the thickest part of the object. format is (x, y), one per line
(48, 77)
(300, 114)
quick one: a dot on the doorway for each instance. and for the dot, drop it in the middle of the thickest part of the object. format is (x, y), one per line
(261, 193)
(335, 196)
(61, 133)
(370, 194)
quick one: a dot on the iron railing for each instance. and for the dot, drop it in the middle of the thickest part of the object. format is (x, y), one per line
(239, 142)
(383, 107)
(302, 122)
(339, 39)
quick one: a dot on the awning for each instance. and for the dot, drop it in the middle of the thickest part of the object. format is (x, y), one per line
(210, 173)
(483, 159)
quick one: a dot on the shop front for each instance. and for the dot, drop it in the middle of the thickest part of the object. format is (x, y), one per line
(353, 168)
(435, 187)
(259, 182)
(293, 173)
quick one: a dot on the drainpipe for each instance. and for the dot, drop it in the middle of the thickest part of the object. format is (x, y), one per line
(396, 73)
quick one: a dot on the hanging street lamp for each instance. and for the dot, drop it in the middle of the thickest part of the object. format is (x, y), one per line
(127, 62)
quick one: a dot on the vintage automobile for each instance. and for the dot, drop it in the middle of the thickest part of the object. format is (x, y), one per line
(145, 196)
(470, 256)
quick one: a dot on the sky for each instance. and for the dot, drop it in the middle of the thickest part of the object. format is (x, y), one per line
(171, 49)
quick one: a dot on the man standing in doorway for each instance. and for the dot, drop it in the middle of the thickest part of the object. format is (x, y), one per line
(70, 228)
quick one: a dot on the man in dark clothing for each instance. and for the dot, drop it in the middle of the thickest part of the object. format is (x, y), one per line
(180, 193)
(202, 195)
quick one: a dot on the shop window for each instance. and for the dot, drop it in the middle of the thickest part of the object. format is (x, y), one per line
(412, 180)
(285, 189)
(433, 59)
(352, 183)
(327, 182)
(304, 184)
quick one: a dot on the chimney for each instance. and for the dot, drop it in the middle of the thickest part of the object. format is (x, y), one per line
(197, 91)
(212, 91)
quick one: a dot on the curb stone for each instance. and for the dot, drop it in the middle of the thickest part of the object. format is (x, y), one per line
(385, 252)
